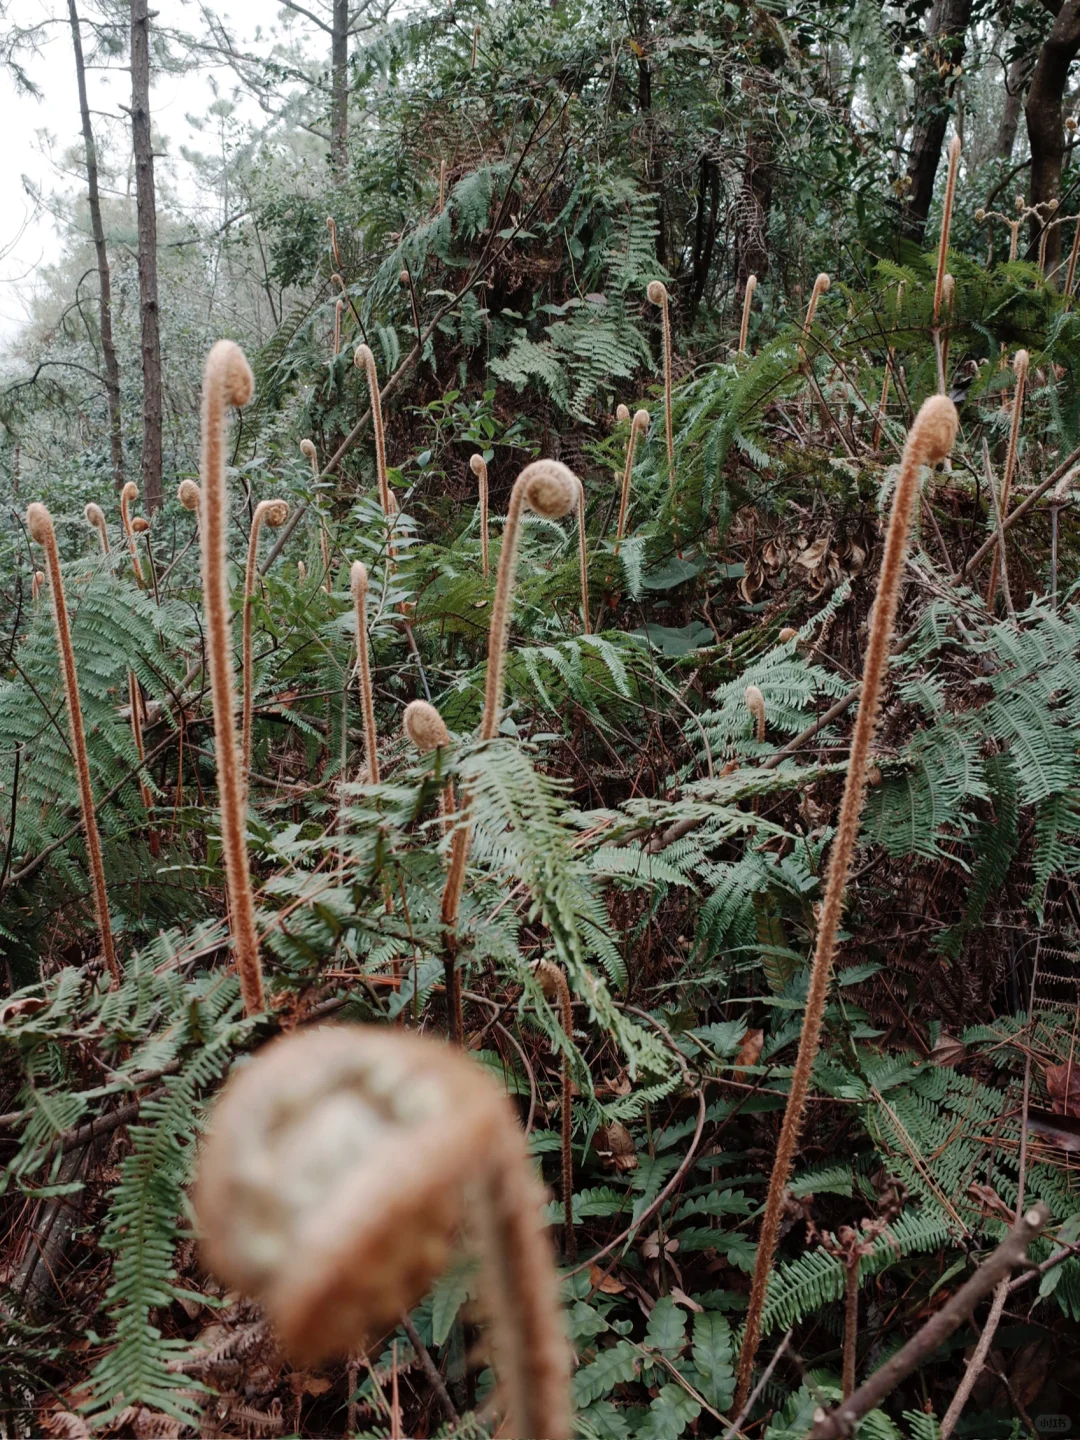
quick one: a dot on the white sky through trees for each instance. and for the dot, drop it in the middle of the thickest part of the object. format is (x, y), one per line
(39, 134)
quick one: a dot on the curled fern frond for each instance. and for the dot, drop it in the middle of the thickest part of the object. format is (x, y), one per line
(929, 442)
(365, 360)
(129, 493)
(95, 517)
(755, 703)
(227, 380)
(401, 1129)
(549, 489)
(821, 287)
(189, 495)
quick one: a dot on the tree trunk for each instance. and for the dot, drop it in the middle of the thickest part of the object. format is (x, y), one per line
(708, 206)
(1015, 85)
(1045, 125)
(339, 91)
(754, 201)
(752, 212)
(108, 349)
(147, 226)
(935, 81)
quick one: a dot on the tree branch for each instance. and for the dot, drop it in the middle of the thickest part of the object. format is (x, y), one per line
(292, 5)
(840, 1423)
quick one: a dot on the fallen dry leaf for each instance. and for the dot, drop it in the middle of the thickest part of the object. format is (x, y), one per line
(607, 1284)
(28, 1005)
(1063, 1083)
(948, 1050)
(615, 1146)
(750, 1050)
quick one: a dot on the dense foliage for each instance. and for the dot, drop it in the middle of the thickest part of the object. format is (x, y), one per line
(500, 219)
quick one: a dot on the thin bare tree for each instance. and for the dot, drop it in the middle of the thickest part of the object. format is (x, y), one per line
(142, 144)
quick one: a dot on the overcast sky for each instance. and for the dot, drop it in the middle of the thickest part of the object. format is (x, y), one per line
(35, 135)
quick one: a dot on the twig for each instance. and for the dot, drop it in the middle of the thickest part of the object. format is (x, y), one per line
(1016, 514)
(841, 1422)
(651, 1209)
(429, 1368)
(988, 470)
(14, 810)
(975, 1364)
(735, 1427)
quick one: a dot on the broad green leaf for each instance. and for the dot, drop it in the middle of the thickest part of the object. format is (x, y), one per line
(712, 1353)
(666, 1330)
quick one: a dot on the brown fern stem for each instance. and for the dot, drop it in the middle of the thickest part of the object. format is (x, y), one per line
(555, 987)
(127, 494)
(948, 291)
(365, 360)
(929, 441)
(657, 292)
(95, 517)
(39, 523)
(748, 297)
(583, 559)
(522, 1289)
(275, 513)
(638, 426)
(358, 583)
(227, 380)
(307, 449)
(946, 223)
(851, 1325)
(1070, 274)
(136, 704)
(883, 402)
(1021, 360)
(549, 489)
(405, 280)
(478, 465)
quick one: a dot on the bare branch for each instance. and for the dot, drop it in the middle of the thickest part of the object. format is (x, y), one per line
(840, 1423)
